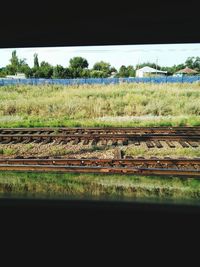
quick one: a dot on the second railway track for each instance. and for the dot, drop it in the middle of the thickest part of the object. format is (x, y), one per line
(141, 166)
(152, 136)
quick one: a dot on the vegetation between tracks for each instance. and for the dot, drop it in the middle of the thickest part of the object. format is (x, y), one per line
(106, 186)
(78, 151)
(100, 105)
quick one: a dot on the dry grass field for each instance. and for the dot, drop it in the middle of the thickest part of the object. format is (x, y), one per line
(97, 105)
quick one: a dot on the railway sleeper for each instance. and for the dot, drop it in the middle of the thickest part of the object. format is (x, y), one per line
(136, 143)
(125, 142)
(62, 141)
(196, 166)
(47, 140)
(86, 142)
(158, 144)
(114, 143)
(183, 144)
(14, 141)
(170, 144)
(76, 141)
(149, 144)
(36, 141)
(193, 144)
(6, 141)
(104, 142)
(94, 142)
(27, 140)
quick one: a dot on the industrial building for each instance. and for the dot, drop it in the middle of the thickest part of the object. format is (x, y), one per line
(149, 72)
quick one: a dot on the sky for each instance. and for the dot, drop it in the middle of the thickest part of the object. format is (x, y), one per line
(165, 54)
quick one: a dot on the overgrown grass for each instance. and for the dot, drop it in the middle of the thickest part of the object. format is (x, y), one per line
(164, 152)
(100, 105)
(106, 186)
(57, 151)
(8, 151)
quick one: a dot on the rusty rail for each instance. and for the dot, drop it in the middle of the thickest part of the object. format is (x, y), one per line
(185, 136)
(166, 166)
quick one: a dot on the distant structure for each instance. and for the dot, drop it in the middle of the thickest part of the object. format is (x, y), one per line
(185, 71)
(112, 75)
(149, 72)
(18, 75)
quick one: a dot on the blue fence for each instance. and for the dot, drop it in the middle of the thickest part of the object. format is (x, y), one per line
(167, 79)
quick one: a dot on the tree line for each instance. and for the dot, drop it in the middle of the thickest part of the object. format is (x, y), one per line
(78, 68)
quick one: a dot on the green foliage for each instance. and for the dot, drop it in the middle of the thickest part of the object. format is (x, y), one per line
(45, 70)
(98, 74)
(102, 69)
(14, 61)
(3, 72)
(61, 72)
(78, 68)
(126, 71)
(17, 65)
(8, 151)
(36, 61)
(78, 63)
(193, 63)
(110, 186)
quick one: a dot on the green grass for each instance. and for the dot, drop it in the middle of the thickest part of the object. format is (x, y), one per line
(106, 186)
(100, 105)
(8, 151)
(164, 152)
(55, 151)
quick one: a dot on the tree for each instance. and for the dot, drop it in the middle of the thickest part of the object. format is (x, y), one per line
(17, 65)
(13, 67)
(98, 74)
(45, 70)
(196, 64)
(123, 72)
(131, 71)
(59, 72)
(193, 63)
(113, 69)
(36, 61)
(85, 73)
(78, 62)
(24, 68)
(103, 67)
(3, 72)
(14, 59)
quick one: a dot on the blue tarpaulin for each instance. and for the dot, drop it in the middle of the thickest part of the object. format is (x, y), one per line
(165, 79)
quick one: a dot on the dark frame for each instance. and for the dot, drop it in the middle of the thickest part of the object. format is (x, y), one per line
(61, 26)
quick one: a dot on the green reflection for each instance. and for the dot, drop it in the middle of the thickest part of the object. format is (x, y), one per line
(98, 186)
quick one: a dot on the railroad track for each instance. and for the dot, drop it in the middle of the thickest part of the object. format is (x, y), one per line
(141, 166)
(185, 136)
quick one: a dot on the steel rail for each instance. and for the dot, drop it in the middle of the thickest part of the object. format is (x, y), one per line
(107, 136)
(183, 167)
(104, 129)
(96, 169)
(177, 161)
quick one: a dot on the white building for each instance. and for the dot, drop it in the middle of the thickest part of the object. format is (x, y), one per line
(148, 71)
(18, 75)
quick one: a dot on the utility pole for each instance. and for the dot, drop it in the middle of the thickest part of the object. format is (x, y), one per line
(156, 65)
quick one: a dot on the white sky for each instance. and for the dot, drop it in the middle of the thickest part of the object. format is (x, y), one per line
(167, 55)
